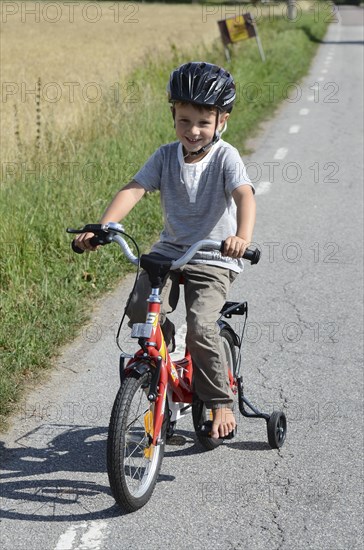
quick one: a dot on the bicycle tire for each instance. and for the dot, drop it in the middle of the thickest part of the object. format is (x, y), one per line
(132, 473)
(200, 413)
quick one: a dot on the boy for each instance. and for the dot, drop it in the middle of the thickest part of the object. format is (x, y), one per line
(205, 194)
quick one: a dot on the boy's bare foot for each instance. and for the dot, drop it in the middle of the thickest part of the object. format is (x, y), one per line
(223, 422)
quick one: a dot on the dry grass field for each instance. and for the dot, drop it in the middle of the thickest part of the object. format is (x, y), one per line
(81, 56)
(60, 62)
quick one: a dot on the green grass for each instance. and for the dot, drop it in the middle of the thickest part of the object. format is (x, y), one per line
(46, 291)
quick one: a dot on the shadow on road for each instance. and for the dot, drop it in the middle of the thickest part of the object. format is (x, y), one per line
(32, 492)
(183, 437)
(53, 473)
(313, 38)
(344, 42)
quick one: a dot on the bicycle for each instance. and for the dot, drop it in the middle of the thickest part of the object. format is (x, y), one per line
(156, 391)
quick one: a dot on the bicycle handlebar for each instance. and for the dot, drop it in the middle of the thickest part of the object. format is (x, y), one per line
(252, 256)
(111, 232)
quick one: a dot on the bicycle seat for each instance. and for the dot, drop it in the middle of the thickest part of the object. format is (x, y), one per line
(157, 267)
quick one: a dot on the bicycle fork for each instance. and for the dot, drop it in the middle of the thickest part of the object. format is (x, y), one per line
(154, 353)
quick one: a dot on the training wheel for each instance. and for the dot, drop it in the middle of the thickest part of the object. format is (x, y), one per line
(277, 429)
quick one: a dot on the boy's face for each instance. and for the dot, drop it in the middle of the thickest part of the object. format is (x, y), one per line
(195, 127)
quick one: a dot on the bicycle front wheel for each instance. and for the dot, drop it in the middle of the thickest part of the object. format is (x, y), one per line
(133, 463)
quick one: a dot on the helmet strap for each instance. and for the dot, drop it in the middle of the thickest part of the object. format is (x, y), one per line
(206, 147)
(174, 115)
(214, 140)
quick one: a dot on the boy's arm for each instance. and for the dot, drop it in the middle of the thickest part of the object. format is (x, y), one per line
(120, 206)
(245, 212)
(123, 202)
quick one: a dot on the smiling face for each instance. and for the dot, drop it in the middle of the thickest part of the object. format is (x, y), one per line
(195, 127)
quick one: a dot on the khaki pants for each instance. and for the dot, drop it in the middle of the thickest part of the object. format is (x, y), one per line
(206, 288)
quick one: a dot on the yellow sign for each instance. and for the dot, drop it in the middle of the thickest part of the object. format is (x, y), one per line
(237, 28)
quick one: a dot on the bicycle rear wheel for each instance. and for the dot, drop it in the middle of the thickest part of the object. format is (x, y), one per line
(200, 413)
(133, 463)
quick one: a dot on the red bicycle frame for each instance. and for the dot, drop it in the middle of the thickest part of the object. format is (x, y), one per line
(177, 374)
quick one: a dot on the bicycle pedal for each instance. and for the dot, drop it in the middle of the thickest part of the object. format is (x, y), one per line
(205, 431)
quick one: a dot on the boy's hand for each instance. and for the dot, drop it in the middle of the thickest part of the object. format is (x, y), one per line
(235, 247)
(83, 242)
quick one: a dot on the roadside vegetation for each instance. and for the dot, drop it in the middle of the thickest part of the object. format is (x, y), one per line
(47, 291)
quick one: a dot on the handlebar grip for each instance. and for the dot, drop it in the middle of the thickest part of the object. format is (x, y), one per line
(76, 248)
(253, 256)
(94, 241)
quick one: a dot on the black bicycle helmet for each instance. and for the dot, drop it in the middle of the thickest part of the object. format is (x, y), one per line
(202, 84)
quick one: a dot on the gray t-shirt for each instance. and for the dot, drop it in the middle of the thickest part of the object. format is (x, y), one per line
(200, 208)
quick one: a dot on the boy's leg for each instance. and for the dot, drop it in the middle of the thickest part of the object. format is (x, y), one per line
(206, 289)
(137, 308)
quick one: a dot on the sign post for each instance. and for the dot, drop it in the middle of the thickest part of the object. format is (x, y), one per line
(235, 29)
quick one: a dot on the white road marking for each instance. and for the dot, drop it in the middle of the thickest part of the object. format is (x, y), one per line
(321, 78)
(311, 98)
(263, 187)
(66, 540)
(294, 129)
(280, 153)
(91, 539)
(304, 111)
(324, 71)
(180, 339)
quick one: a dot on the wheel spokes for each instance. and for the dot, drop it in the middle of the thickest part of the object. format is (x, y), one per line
(138, 452)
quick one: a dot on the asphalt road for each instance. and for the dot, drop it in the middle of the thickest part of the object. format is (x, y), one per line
(303, 353)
